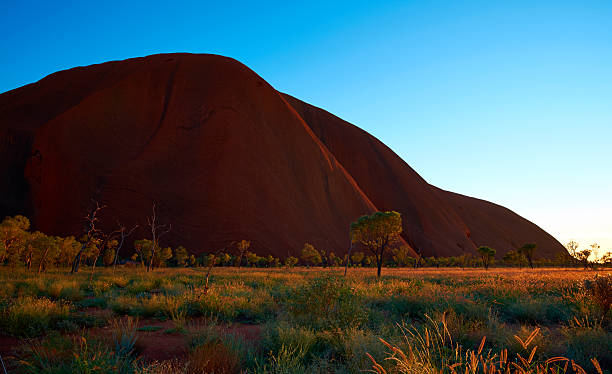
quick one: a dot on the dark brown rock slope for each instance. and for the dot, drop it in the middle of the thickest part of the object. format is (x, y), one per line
(225, 157)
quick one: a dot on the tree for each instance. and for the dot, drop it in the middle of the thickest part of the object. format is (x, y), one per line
(583, 256)
(324, 258)
(357, 258)
(401, 255)
(109, 255)
(310, 255)
(13, 236)
(193, 261)
(377, 233)
(143, 251)
(161, 256)
(606, 259)
(43, 245)
(595, 249)
(106, 243)
(527, 250)
(486, 254)
(90, 234)
(225, 259)
(67, 249)
(211, 260)
(418, 258)
(465, 260)
(157, 231)
(181, 256)
(513, 257)
(291, 261)
(432, 261)
(252, 258)
(333, 259)
(124, 233)
(242, 247)
(270, 261)
(572, 248)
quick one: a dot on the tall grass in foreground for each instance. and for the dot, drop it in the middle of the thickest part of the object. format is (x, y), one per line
(431, 350)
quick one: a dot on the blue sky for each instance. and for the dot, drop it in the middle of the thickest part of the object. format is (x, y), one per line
(507, 101)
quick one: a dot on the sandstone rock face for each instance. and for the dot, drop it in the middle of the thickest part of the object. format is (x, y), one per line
(224, 157)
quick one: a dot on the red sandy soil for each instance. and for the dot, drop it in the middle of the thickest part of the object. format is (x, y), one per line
(151, 345)
(161, 345)
(8, 344)
(225, 157)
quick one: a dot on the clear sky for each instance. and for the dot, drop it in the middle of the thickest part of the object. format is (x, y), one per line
(509, 101)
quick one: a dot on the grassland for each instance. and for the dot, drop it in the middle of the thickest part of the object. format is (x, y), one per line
(302, 321)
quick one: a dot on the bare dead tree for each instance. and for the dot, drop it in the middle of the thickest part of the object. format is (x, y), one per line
(157, 231)
(90, 232)
(123, 234)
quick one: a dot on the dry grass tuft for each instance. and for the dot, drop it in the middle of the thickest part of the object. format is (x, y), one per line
(431, 349)
(599, 291)
(213, 357)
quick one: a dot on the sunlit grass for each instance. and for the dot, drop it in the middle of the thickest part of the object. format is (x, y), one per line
(316, 320)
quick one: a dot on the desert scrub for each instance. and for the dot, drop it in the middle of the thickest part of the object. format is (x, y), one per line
(327, 303)
(599, 291)
(214, 350)
(586, 339)
(64, 290)
(79, 356)
(213, 305)
(536, 310)
(124, 336)
(144, 305)
(291, 349)
(431, 349)
(31, 316)
(290, 342)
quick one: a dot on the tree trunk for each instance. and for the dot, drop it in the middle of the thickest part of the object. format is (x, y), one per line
(348, 258)
(152, 255)
(379, 264)
(77, 259)
(76, 262)
(42, 260)
(93, 267)
(117, 253)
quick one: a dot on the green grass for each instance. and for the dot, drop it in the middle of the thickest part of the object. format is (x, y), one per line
(308, 320)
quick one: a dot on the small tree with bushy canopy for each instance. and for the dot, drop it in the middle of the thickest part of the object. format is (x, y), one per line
(376, 233)
(486, 254)
(310, 255)
(528, 250)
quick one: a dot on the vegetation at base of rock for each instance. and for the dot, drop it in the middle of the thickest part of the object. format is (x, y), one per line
(38, 252)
